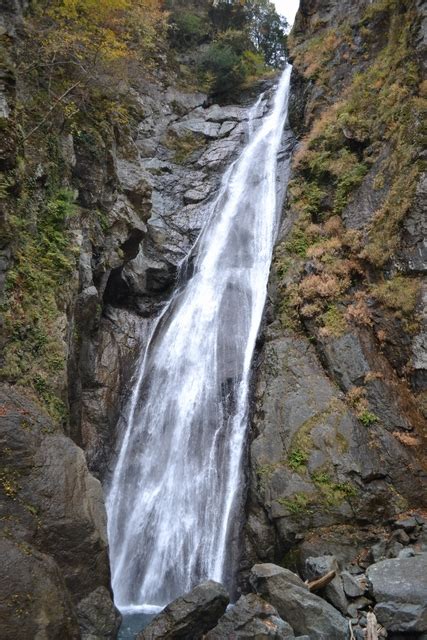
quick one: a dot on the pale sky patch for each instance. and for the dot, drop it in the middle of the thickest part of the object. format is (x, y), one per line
(287, 8)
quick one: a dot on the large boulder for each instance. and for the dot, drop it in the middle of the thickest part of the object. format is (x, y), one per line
(34, 602)
(190, 616)
(251, 617)
(52, 517)
(97, 619)
(305, 612)
(399, 586)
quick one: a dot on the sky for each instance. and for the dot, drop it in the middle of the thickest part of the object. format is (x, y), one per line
(287, 8)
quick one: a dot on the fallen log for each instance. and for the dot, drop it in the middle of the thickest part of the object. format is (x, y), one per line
(321, 582)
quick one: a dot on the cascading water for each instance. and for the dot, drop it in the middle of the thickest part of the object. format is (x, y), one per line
(177, 479)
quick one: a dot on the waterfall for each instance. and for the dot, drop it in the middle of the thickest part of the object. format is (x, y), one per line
(177, 479)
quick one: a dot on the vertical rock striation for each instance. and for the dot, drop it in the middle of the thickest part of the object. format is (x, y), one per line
(338, 429)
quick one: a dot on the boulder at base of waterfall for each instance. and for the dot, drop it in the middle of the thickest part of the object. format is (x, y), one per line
(251, 617)
(305, 612)
(190, 616)
(96, 617)
(399, 586)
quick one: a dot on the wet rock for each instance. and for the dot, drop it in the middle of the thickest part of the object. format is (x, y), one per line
(135, 184)
(251, 617)
(408, 524)
(353, 587)
(197, 127)
(71, 505)
(222, 114)
(304, 611)
(34, 602)
(333, 592)
(97, 616)
(94, 172)
(408, 552)
(413, 254)
(300, 412)
(356, 605)
(399, 587)
(55, 518)
(198, 194)
(226, 128)
(400, 536)
(86, 306)
(367, 198)
(183, 102)
(189, 616)
(379, 551)
(419, 346)
(218, 154)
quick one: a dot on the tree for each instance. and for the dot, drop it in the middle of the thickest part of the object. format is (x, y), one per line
(82, 51)
(268, 30)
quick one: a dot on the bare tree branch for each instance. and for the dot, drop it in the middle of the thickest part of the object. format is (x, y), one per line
(43, 120)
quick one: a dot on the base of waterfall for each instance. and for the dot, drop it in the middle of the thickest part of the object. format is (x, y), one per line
(332, 603)
(135, 618)
(134, 609)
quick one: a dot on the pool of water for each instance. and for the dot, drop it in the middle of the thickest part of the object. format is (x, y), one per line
(133, 623)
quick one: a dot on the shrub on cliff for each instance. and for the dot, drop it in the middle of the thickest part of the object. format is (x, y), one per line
(188, 29)
(219, 68)
(79, 51)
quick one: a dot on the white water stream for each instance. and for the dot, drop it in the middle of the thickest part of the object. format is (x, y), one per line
(177, 480)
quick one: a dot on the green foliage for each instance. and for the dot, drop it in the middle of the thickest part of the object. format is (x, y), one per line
(297, 504)
(333, 322)
(264, 473)
(252, 64)
(268, 30)
(188, 29)
(247, 37)
(80, 56)
(399, 294)
(347, 182)
(374, 122)
(298, 242)
(297, 459)
(367, 418)
(333, 493)
(219, 68)
(9, 482)
(183, 146)
(34, 354)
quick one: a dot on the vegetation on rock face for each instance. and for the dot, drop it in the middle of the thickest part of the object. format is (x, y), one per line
(379, 108)
(36, 294)
(343, 278)
(241, 40)
(79, 65)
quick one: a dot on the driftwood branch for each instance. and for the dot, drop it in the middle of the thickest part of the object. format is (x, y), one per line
(55, 104)
(371, 627)
(351, 630)
(317, 584)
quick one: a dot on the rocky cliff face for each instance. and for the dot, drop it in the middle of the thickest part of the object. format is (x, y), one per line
(94, 223)
(338, 427)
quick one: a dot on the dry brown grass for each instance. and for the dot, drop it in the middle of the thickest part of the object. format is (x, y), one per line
(359, 312)
(408, 439)
(321, 285)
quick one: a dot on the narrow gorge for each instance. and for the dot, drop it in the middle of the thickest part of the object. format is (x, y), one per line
(213, 335)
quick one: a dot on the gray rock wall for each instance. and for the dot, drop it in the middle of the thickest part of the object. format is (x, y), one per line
(322, 480)
(154, 187)
(52, 527)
